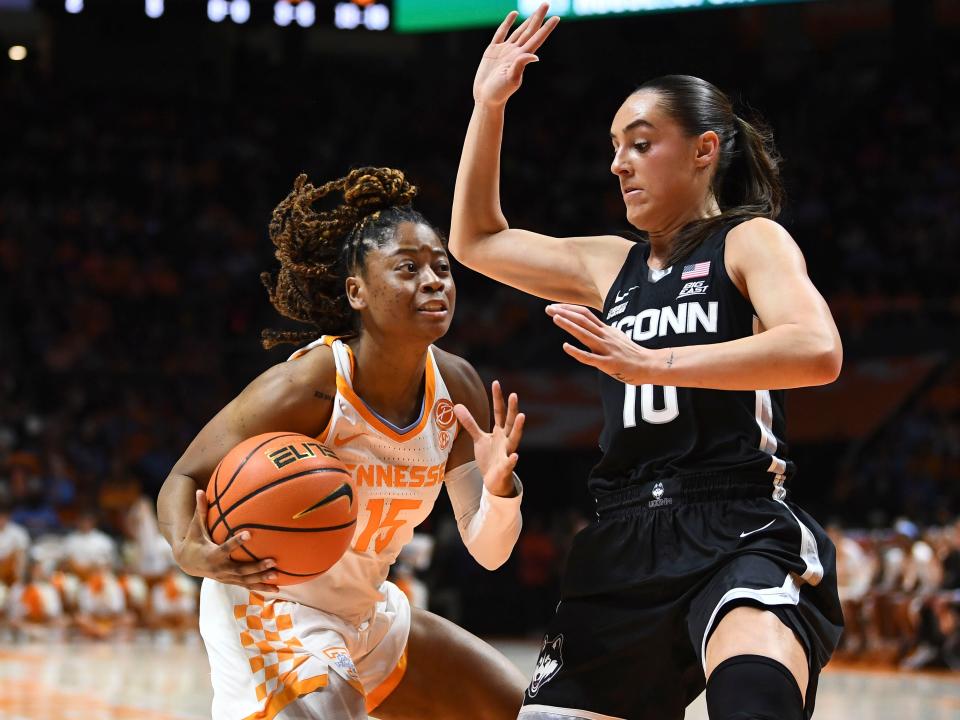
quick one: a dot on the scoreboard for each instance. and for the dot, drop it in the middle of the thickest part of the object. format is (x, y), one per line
(405, 16)
(427, 15)
(343, 14)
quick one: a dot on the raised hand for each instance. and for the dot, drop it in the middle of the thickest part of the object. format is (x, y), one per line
(496, 451)
(199, 556)
(501, 69)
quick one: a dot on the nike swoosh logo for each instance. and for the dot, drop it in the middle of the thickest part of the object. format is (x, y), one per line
(744, 534)
(621, 298)
(343, 491)
(340, 440)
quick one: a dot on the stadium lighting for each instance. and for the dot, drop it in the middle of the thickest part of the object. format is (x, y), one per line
(154, 8)
(347, 16)
(217, 10)
(240, 11)
(376, 17)
(282, 13)
(17, 53)
(306, 13)
(73, 6)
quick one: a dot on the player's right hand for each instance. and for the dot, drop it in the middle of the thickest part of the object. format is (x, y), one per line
(199, 556)
(501, 69)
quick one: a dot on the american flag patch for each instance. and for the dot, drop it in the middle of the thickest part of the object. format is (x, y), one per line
(700, 269)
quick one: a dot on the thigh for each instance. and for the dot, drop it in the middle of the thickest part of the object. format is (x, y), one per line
(752, 631)
(451, 674)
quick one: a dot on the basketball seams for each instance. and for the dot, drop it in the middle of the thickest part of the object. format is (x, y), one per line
(225, 506)
(216, 501)
(250, 455)
(284, 528)
(275, 483)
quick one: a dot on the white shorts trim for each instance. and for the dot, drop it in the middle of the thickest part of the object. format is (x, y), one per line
(786, 594)
(564, 712)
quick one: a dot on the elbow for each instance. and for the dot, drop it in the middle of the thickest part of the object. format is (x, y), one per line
(456, 246)
(491, 563)
(827, 362)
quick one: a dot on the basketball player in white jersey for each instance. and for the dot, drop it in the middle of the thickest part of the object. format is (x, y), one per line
(372, 279)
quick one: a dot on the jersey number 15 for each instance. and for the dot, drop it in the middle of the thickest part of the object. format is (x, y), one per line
(649, 413)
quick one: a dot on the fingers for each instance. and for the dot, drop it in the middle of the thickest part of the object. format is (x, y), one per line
(582, 355)
(262, 578)
(516, 432)
(584, 335)
(519, 30)
(574, 311)
(497, 394)
(505, 26)
(536, 20)
(512, 407)
(521, 62)
(233, 543)
(533, 43)
(262, 567)
(259, 587)
(468, 423)
(199, 524)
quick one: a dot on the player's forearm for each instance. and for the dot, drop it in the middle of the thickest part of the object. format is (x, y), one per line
(489, 524)
(176, 505)
(476, 198)
(786, 356)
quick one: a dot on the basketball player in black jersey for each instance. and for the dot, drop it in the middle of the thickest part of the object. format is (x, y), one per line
(699, 571)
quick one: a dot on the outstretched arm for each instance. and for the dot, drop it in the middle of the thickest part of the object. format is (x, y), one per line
(484, 491)
(798, 344)
(577, 270)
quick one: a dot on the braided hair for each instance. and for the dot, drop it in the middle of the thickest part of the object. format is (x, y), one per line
(318, 249)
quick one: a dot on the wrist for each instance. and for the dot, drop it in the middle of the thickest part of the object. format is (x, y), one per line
(489, 106)
(502, 487)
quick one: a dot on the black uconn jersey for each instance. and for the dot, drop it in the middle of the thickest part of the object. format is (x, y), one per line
(651, 432)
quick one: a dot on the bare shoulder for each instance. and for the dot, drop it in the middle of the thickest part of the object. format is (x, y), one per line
(297, 392)
(461, 379)
(758, 244)
(761, 235)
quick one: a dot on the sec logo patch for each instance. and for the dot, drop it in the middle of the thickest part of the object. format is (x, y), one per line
(443, 412)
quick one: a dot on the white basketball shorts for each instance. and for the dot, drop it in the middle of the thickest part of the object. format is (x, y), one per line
(265, 654)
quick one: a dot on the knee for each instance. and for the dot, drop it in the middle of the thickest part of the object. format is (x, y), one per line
(753, 687)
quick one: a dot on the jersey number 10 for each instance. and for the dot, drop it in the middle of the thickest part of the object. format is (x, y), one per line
(650, 414)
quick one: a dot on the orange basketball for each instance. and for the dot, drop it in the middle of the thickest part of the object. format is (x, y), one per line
(294, 496)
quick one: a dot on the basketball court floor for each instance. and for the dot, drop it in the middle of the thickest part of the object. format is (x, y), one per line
(150, 681)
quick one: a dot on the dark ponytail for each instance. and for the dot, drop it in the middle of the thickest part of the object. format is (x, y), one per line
(747, 182)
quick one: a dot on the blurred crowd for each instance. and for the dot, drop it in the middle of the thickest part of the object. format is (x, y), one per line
(84, 584)
(133, 212)
(900, 590)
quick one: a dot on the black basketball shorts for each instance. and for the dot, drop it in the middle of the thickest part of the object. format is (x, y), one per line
(647, 583)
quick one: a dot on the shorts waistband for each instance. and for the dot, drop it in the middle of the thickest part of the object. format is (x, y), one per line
(692, 488)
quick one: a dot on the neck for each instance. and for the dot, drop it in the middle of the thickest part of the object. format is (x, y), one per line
(661, 240)
(394, 388)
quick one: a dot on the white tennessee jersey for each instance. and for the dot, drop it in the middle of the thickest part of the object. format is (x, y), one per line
(397, 474)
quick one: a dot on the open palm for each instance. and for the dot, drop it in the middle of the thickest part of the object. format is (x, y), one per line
(496, 451)
(501, 69)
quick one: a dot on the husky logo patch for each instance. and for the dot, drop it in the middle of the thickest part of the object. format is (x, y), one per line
(548, 664)
(658, 499)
